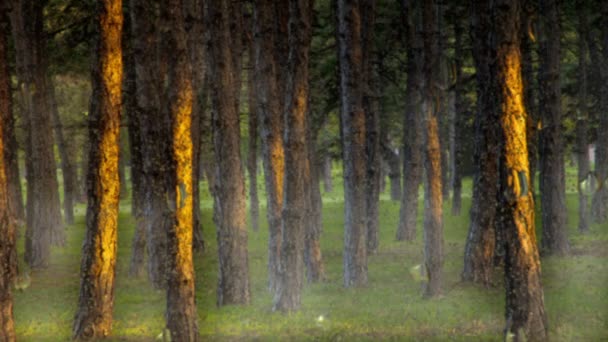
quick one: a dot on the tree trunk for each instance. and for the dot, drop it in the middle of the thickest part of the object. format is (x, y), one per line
(552, 169)
(530, 88)
(412, 128)
(181, 309)
(582, 148)
(268, 79)
(481, 239)
(328, 184)
(8, 254)
(599, 203)
(94, 314)
(315, 269)
(155, 134)
(353, 130)
(394, 166)
(44, 221)
(433, 195)
(230, 211)
(252, 157)
(525, 314)
(460, 116)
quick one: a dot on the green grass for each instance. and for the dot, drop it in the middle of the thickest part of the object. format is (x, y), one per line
(390, 308)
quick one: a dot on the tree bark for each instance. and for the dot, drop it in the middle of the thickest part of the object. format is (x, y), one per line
(481, 238)
(181, 309)
(582, 146)
(530, 88)
(412, 128)
(230, 213)
(460, 116)
(8, 260)
(525, 314)
(252, 157)
(44, 221)
(394, 165)
(315, 268)
(268, 79)
(552, 169)
(353, 139)
(94, 314)
(328, 184)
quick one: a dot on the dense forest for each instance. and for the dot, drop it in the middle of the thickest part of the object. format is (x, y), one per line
(187, 170)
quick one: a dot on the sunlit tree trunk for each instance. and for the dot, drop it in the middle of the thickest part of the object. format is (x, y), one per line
(94, 314)
(481, 238)
(412, 129)
(181, 309)
(268, 77)
(352, 117)
(252, 156)
(8, 262)
(44, 213)
(552, 169)
(230, 210)
(582, 148)
(525, 313)
(530, 86)
(599, 204)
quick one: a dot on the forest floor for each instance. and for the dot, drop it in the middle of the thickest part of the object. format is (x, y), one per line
(390, 308)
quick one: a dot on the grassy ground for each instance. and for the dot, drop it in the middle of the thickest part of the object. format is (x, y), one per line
(390, 308)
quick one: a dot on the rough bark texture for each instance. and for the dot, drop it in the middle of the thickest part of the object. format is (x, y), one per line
(352, 117)
(291, 270)
(412, 130)
(181, 309)
(530, 87)
(582, 148)
(459, 117)
(8, 262)
(268, 79)
(552, 169)
(44, 213)
(230, 210)
(94, 314)
(599, 204)
(481, 238)
(252, 156)
(525, 314)
(154, 136)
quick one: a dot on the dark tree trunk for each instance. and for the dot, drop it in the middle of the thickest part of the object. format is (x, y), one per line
(45, 226)
(328, 184)
(481, 239)
(582, 148)
(525, 314)
(599, 203)
(353, 140)
(230, 211)
(67, 166)
(94, 314)
(8, 254)
(268, 79)
(412, 130)
(297, 175)
(181, 309)
(252, 157)
(460, 115)
(530, 88)
(315, 269)
(394, 165)
(552, 169)
(433, 195)
(154, 127)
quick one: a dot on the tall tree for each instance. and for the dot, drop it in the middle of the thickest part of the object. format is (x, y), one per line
(525, 313)
(352, 117)
(252, 156)
(552, 169)
(8, 253)
(181, 309)
(433, 195)
(43, 209)
(94, 314)
(230, 213)
(527, 48)
(291, 271)
(268, 78)
(582, 127)
(481, 239)
(412, 126)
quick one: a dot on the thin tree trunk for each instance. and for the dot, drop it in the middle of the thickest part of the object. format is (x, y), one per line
(315, 268)
(328, 184)
(481, 239)
(553, 178)
(230, 213)
(252, 157)
(582, 148)
(353, 139)
(181, 309)
(460, 116)
(525, 314)
(94, 314)
(394, 165)
(268, 79)
(412, 128)
(530, 88)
